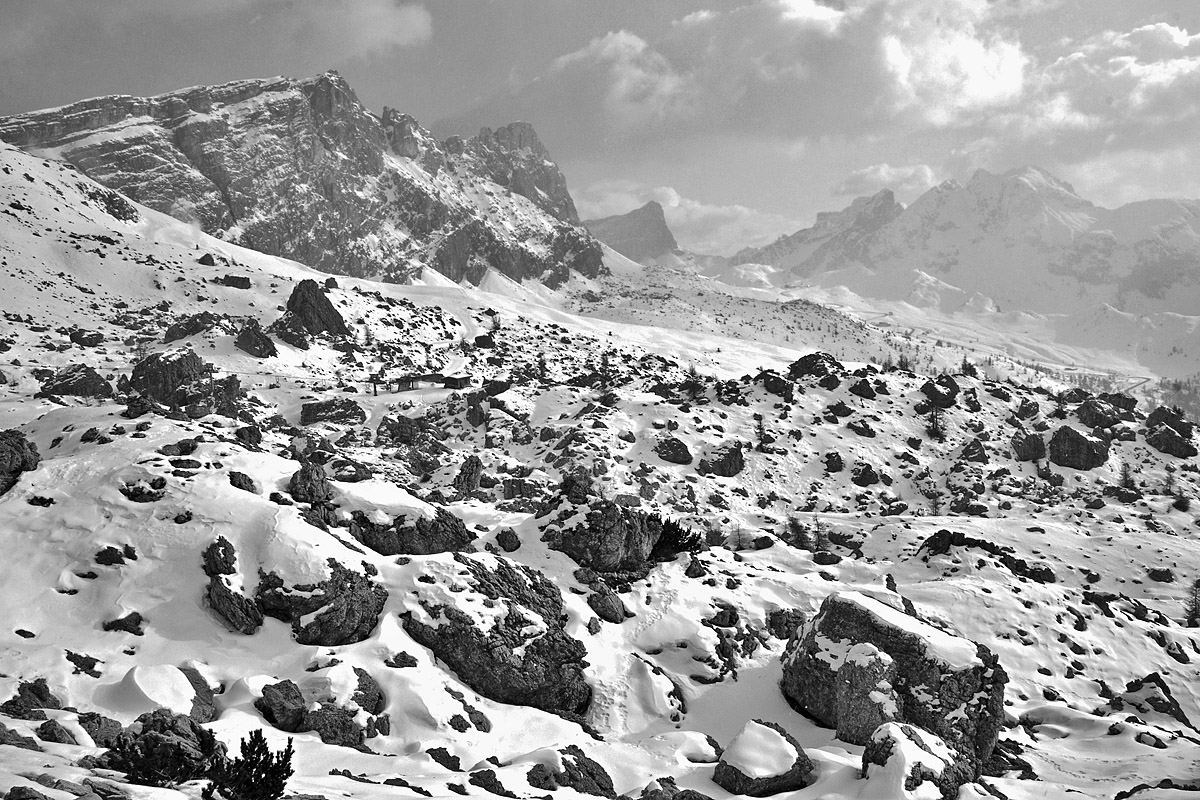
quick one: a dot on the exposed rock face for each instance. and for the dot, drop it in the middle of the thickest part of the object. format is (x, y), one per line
(762, 760)
(180, 377)
(340, 410)
(612, 537)
(1166, 439)
(815, 365)
(309, 310)
(640, 235)
(1171, 417)
(525, 657)
(579, 772)
(284, 706)
(467, 479)
(445, 533)
(673, 451)
(237, 611)
(1070, 448)
(17, 455)
(77, 380)
(1097, 414)
(252, 339)
(866, 695)
(190, 326)
(310, 484)
(299, 168)
(726, 462)
(343, 609)
(1028, 446)
(945, 684)
(910, 756)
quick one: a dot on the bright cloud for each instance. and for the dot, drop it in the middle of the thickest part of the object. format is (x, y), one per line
(908, 181)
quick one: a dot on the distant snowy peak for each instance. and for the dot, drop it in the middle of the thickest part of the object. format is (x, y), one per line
(835, 233)
(1023, 238)
(301, 169)
(640, 235)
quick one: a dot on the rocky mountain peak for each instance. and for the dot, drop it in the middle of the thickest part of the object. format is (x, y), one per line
(300, 168)
(641, 234)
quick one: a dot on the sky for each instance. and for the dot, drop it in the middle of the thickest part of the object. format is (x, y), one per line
(744, 119)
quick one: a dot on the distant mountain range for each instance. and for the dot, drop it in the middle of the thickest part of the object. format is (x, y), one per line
(1023, 240)
(301, 169)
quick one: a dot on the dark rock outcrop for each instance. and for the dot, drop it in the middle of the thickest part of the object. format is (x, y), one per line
(17, 455)
(190, 326)
(945, 684)
(310, 484)
(1166, 439)
(815, 365)
(284, 706)
(237, 611)
(726, 462)
(1172, 417)
(444, 533)
(77, 380)
(467, 479)
(342, 609)
(942, 392)
(1028, 446)
(757, 738)
(525, 657)
(253, 340)
(175, 741)
(164, 377)
(579, 772)
(30, 699)
(309, 310)
(610, 538)
(672, 450)
(338, 410)
(1070, 448)
(926, 758)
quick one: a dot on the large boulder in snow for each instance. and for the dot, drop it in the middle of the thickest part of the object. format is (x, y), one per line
(1166, 439)
(1028, 446)
(184, 748)
(310, 484)
(815, 365)
(725, 462)
(1172, 417)
(286, 706)
(308, 312)
(234, 609)
(944, 683)
(443, 533)
(517, 651)
(762, 760)
(164, 377)
(900, 759)
(342, 609)
(578, 772)
(942, 392)
(609, 538)
(673, 450)
(1070, 448)
(339, 410)
(76, 380)
(253, 340)
(17, 455)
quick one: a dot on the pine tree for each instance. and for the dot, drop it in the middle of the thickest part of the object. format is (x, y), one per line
(1191, 605)
(935, 425)
(258, 774)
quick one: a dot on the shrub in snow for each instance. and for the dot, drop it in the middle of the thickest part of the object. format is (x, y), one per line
(257, 774)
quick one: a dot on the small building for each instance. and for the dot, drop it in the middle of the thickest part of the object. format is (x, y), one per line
(406, 383)
(457, 382)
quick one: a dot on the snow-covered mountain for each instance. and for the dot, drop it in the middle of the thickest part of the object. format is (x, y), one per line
(237, 494)
(299, 168)
(1023, 239)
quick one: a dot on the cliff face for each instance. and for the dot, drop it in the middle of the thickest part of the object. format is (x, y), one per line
(300, 168)
(640, 235)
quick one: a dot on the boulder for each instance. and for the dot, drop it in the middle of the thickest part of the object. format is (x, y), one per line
(1070, 448)
(1028, 446)
(975, 450)
(342, 609)
(179, 748)
(309, 310)
(283, 706)
(608, 605)
(725, 462)
(340, 410)
(899, 759)
(103, 730)
(252, 339)
(164, 377)
(1027, 409)
(30, 699)
(467, 479)
(77, 380)
(1096, 413)
(942, 392)
(310, 484)
(815, 365)
(52, 731)
(1172, 417)
(672, 450)
(866, 697)
(762, 760)
(444, 533)
(522, 653)
(190, 326)
(943, 683)
(17, 455)
(86, 338)
(863, 388)
(1166, 439)
(578, 772)
(610, 537)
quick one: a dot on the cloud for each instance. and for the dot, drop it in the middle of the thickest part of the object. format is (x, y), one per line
(908, 181)
(700, 227)
(333, 30)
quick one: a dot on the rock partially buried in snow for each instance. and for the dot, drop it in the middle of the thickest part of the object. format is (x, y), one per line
(17, 455)
(147, 687)
(944, 683)
(903, 761)
(763, 759)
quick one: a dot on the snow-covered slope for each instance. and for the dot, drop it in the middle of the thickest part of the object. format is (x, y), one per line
(1075, 587)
